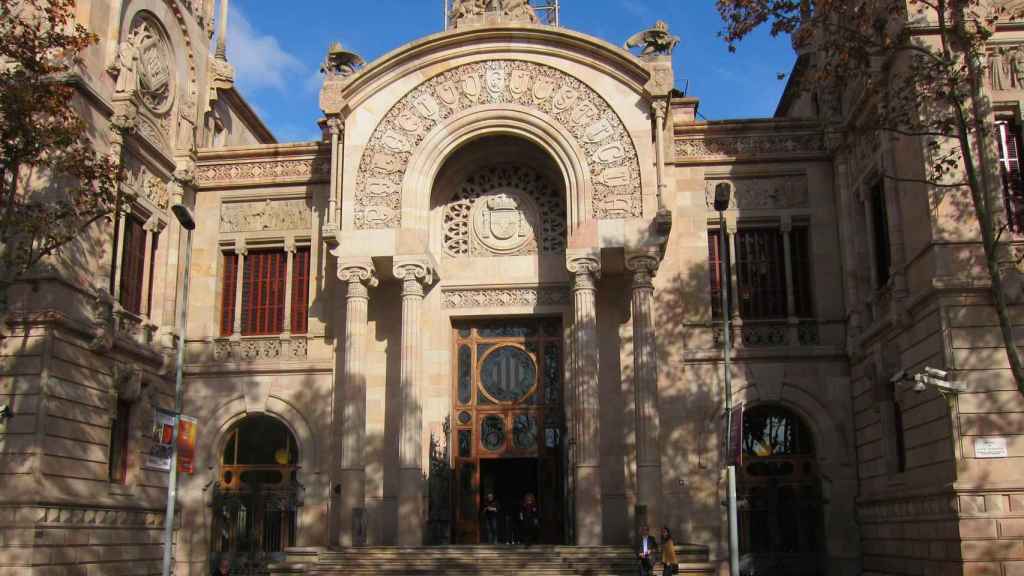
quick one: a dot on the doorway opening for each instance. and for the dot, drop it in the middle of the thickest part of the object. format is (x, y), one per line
(510, 480)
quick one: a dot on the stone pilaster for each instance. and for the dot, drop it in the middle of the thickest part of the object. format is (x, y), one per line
(416, 273)
(241, 251)
(644, 265)
(358, 275)
(337, 130)
(586, 268)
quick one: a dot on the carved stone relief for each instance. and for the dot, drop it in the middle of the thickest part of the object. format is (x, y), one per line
(597, 130)
(1004, 67)
(265, 215)
(146, 64)
(145, 184)
(773, 192)
(504, 210)
(453, 298)
(704, 146)
(255, 349)
(297, 170)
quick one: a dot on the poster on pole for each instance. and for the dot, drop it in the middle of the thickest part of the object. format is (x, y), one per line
(187, 426)
(159, 455)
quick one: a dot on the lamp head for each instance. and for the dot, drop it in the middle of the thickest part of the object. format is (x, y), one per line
(184, 216)
(723, 193)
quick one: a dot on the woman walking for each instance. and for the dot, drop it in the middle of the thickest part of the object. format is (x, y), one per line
(668, 553)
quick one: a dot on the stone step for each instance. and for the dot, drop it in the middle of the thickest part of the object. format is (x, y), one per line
(478, 560)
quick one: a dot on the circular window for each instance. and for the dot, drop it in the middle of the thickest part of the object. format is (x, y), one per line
(492, 432)
(508, 374)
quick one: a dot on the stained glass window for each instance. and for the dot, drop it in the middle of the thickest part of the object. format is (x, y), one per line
(492, 432)
(508, 374)
(524, 431)
(465, 375)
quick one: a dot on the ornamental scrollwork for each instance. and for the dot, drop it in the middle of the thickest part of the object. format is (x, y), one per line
(597, 130)
(460, 298)
(705, 146)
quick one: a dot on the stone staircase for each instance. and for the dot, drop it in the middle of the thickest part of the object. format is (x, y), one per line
(480, 561)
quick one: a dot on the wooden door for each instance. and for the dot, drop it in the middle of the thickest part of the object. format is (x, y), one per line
(507, 404)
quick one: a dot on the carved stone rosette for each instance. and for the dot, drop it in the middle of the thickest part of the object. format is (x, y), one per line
(597, 130)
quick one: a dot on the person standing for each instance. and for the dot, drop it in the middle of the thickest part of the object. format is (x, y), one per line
(668, 553)
(529, 519)
(645, 551)
(491, 509)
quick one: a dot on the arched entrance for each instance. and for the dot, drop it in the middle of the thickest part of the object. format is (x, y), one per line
(257, 493)
(781, 523)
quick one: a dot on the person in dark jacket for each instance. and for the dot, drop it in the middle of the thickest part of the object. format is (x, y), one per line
(646, 550)
(491, 511)
(529, 519)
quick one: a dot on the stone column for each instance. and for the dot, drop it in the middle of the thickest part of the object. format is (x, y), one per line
(241, 251)
(289, 248)
(222, 32)
(358, 275)
(337, 129)
(792, 322)
(644, 266)
(151, 227)
(734, 276)
(586, 267)
(416, 273)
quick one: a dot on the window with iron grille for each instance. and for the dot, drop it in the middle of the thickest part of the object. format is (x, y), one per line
(263, 287)
(1008, 133)
(760, 270)
(133, 265)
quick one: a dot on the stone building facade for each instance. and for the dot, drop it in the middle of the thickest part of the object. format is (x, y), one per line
(496, 272)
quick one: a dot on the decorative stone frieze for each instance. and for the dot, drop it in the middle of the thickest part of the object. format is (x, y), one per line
(307, 170)
(610, 154)
(505, 211)
(771, 192)
(258, 349)
(461, 298)
(1005, 67)
(704, 147)
(265, 215)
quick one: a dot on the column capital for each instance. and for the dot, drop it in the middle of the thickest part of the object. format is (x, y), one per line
(240, 248)
(786, 223)
(644, 266)
(289, 245)
(660, 108)
(357, 271)
(336, 124)
(153, 224)
(419, 268)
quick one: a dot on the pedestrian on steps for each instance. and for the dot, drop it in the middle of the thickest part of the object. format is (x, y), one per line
(668, 553)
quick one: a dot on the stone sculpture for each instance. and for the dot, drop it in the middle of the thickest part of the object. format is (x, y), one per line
(341, 63)
(129, 55)
(655, 41)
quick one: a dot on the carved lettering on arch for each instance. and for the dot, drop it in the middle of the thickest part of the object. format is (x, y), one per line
(609, 153)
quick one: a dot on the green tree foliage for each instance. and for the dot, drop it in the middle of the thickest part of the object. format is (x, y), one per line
(907, 69)
(53, 183)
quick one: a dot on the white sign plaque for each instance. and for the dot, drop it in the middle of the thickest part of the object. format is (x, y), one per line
(990, 448)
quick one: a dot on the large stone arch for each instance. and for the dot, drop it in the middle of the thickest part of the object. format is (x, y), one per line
(553, 109)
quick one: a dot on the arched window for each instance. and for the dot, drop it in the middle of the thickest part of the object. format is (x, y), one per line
(779, 486)
(257, 493)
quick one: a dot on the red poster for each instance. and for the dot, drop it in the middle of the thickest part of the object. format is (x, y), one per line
(186, 444)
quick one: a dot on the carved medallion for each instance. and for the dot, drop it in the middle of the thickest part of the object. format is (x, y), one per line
(609, 153)
(154, 71)
(505, 210)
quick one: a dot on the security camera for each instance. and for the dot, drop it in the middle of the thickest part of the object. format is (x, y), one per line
(6, 412)
(936, 373)
(926, 379)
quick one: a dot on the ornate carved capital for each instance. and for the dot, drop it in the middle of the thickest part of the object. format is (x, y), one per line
(644, 266)
(289, 245)
(240, 248)
(336, 125)
(154, 224)
(660, 108)
(586, 269)
(359, 273)
(416, 273)
(786, 223)
(127, 382)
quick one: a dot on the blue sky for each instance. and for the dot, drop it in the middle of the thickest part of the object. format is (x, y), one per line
(277, 47)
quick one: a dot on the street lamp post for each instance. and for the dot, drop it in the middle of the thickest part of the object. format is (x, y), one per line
(723, 193)
(184, 216)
